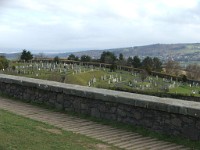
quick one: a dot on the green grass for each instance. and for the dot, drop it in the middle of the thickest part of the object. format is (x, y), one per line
(85, 76)
(186, 90)
(19, 133)
(194, 145)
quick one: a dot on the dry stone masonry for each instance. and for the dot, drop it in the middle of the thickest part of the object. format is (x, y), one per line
(165, 115)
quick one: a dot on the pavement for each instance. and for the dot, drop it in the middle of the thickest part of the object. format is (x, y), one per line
(117, 137)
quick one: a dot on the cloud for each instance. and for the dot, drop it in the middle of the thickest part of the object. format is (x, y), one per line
(65, 24)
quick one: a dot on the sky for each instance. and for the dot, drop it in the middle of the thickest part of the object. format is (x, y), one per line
(73, 25)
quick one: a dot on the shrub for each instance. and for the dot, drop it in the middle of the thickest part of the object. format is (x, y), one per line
(3, 63)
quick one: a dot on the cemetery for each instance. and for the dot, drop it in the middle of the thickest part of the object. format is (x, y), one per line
(101, 77)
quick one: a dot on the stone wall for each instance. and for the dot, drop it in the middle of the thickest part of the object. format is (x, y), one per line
(171, 116)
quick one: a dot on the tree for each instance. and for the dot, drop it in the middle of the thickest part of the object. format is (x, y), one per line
(193, 71)
(26, 55)
(108, 57)
(113, 67)
(157, 64)
(152, 64)
(121, 60)
(121, 57)
(129, 61)
(147, 64)
(56, 59)
(173, 68)
(1, 66)
(86, 58)
(71, 57)
(3, 62)
(184, 78)
(143, 75)
(76, 58)
(136, 62)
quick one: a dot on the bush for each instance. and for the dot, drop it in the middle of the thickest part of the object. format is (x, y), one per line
(3, 63)
(113, 67)
(1, 66)
(184, 78)
(56, 60)
(13, 68)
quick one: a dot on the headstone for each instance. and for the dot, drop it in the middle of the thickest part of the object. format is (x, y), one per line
(105, 78)
(108, 81)
(193, 92)
(114, 80)
(101, 77)
(120, 78)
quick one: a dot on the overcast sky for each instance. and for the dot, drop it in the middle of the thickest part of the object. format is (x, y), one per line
(72, 25)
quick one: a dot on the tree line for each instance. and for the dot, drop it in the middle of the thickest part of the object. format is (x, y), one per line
(148, 64)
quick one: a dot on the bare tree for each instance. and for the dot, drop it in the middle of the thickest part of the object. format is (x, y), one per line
(173, 68)
(193, 71)
(40, 56)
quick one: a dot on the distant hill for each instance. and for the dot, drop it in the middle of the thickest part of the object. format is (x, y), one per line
(181, 52)
(11, 56)
(52, 55)
(14, 56)
(163, 51)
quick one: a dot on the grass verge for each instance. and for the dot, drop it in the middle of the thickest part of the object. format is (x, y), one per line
(19, 133)
(194, 145)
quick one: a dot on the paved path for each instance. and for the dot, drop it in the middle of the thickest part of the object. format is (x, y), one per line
(117, 137)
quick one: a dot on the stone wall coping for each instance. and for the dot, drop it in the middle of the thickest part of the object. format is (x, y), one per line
(177, 106)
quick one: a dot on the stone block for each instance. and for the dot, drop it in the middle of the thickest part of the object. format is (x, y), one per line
(59, 106)
(85, 106)
(121, 113)
(109, 116)
(191, 133)
(194, 112)
(95, 113)
(60, 98)
(176, 122)
(137, 115)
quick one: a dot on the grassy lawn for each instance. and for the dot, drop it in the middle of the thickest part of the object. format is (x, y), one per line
(185, 90)
(82, 78)
(19, 133)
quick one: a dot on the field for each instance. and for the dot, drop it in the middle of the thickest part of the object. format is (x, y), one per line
(102, 78)
(19, 133)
